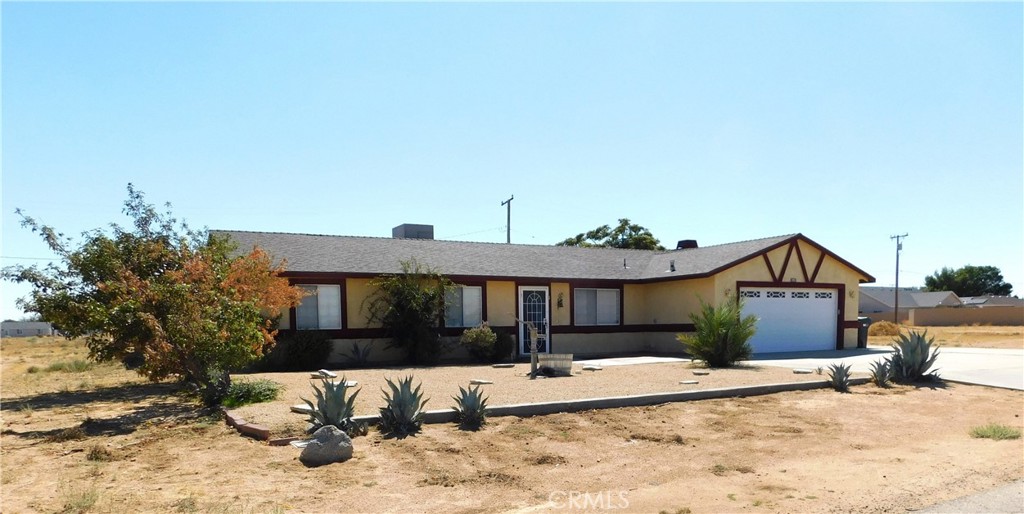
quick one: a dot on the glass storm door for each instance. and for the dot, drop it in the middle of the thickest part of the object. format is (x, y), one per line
(533, 307)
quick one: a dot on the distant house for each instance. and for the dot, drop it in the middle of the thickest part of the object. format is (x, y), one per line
(878, 303)
(992, 301)
(26, 329)
(585, 301)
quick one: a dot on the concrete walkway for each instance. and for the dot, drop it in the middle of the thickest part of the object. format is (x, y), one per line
(1007, 499)
(981, 366)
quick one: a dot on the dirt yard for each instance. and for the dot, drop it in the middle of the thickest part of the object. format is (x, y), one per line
(967, 337)
(101, 440)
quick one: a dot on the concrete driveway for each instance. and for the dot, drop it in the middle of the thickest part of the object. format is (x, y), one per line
(981, 366)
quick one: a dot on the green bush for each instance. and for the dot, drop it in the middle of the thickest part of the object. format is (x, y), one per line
(995, 432)
(409, 306)
(74, 366)
(912, 357)
(721, 334)
(504, 345)
(480, 342)
(243, 392)
(298, 350)
(403, 414)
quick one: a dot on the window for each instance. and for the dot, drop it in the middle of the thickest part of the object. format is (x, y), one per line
(320, 309)
(597, 306)
(463, 307)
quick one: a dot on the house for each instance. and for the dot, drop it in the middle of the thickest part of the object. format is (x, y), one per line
(26, 329)
(990, 301)
(585, 301)
(879, 303)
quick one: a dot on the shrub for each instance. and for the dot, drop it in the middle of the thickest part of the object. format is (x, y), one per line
(912, 357)
(884, 328)
(33, 369)
(480, 342)
(74, 366)
(880, 373)
(995, 432)
(721, 334)
(243, 392)
(470, 408)
(299, 350)
(333, 407)
(403, 414)
(99, 453)
(409, 306)
(360, 356)
(504, 345)
(839, 377)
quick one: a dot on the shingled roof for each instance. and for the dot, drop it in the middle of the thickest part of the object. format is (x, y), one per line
(309, 253)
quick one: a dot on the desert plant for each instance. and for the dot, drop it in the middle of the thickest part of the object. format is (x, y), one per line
(880, 373)
(480, 342)
(360, 356)
(912, 357)
(333, 406)
(995, 432)
(470, 408)
(242, 392)
(299, 350)
(721, 334)
(99, 454)
(884, 328)
(72, 366)
(839, 377)
(403, 413)
(409, 307)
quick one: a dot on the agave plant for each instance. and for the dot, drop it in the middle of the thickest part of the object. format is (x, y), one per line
(913, 356)
(880, 373)
(839, 377)
(360, 356)
(470, 408)
(333, 406)
(403, 414)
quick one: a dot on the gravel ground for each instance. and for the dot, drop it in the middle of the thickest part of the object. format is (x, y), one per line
(511, 386)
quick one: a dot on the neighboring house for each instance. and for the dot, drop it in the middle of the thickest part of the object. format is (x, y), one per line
(585, 301)
(25, 329)
(875, 300)
(992, 301)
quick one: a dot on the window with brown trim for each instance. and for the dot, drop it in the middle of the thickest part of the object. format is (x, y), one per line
(596, 306)
(320, 309)
(463, 307)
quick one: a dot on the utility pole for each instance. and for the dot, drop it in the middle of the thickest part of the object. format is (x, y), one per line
(508, 221)
(896, 293)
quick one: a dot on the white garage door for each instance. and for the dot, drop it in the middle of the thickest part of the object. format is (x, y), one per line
(792, 320)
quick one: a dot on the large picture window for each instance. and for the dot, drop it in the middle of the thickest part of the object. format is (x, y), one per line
(596, 306)
(463, 307)
(320, 309)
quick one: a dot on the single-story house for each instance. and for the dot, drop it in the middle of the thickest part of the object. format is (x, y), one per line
(585, 301)
(26, 329)
(989, 301)
(879, 303)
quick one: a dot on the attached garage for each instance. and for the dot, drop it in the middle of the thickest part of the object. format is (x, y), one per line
(792, 319)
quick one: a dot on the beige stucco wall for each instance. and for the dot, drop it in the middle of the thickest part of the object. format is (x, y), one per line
(501, 303)
(560, 316)
(664, 302)
(597, 344)
(356, 292)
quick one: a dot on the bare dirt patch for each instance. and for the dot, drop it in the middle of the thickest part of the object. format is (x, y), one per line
(979, 336)
(816, 451)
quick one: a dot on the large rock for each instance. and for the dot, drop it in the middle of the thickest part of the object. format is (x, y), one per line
(329, 444)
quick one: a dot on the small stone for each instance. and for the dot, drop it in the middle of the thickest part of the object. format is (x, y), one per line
(329, 444)
(701, 372)
(504, 365)
(688, 382)
(592, 368)
(480, 381)
(802, 371)
(351, 383)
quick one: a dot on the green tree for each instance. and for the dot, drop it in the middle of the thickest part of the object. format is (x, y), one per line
(721, 334)
(410, 306)
(625, 235)
(969, 281)
(175, 296)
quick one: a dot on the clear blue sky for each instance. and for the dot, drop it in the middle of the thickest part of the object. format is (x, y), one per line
(846, 122)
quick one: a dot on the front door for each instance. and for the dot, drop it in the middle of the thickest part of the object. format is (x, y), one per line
(533, 307)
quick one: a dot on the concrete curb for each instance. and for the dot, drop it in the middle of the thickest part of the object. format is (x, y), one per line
(615, 402)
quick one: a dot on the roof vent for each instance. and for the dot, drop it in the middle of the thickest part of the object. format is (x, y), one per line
(413, 231)
(672, 265)
(686, 244)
